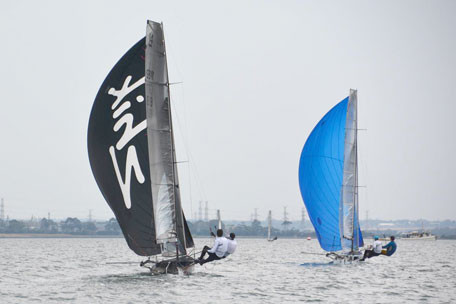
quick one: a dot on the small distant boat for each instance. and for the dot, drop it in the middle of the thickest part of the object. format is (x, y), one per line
(418, 236)
(133, 158)
(309, 238)
(328, 179)
(269, 227)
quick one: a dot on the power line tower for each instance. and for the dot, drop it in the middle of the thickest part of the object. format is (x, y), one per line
(200, 211)
(285, 222)
(90, 215)
(49, 216)
(255, 214)
(206, 212)
(2, 211)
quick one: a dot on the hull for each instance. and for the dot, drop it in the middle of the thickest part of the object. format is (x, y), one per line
(423, 238)
(344, 258)
(184, 265)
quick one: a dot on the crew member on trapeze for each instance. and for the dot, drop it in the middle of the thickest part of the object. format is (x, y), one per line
(232, 245)
(375, 251)
(390, 247)
(217, 251)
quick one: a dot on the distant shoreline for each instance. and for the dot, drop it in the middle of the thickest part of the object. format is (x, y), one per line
(98, 236)
(55, 236)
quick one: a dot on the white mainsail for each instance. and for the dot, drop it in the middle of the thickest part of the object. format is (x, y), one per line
(349, 193)
(165, 193)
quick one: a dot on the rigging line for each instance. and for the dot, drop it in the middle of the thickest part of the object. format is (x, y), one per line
(190, 156)
(187, 146)
(192, 162)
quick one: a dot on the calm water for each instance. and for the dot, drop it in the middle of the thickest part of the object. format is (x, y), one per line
(80, 271)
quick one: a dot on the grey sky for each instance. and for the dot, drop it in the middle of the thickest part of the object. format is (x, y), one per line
(258, 75)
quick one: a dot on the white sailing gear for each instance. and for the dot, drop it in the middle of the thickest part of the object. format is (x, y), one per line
(220, 246)
(377, 246)
(232, 245)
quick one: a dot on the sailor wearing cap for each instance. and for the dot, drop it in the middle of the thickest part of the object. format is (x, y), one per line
(375, 251)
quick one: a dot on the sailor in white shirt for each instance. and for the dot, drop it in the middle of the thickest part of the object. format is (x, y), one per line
(375, 251)
(217, 251)
(232, 244)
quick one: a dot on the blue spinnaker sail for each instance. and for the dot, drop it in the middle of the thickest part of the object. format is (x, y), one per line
(321, 172)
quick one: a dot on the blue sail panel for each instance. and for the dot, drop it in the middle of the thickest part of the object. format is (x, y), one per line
(321, 174)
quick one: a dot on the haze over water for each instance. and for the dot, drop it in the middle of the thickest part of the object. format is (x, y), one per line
(81, 271)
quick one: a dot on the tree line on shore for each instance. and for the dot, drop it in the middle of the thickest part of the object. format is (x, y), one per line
(71, 225)
(199, 228)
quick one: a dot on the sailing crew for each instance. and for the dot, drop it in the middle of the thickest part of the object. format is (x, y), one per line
(217, 251)
(232, 245)
(375, 251)
(390, 247)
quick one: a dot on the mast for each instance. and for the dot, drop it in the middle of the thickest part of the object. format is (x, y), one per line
(219, 219)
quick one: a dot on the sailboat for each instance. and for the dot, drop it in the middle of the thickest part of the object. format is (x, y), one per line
(269, 227)
(328, 180)
(133, 159)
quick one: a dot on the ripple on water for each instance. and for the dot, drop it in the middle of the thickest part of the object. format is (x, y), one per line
(75, 270)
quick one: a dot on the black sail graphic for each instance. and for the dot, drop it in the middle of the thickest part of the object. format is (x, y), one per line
(118, 150)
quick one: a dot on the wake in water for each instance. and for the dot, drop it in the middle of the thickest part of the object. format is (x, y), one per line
(331, 263)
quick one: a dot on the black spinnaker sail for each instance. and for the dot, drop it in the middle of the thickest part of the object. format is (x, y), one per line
(119, 152)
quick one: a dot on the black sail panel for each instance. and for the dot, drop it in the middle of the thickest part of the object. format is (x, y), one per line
(188, 235)
(118, 150)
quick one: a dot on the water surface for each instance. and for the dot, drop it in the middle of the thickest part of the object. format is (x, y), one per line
(292, 270)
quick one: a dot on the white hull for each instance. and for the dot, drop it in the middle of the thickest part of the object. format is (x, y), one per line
(423, 238)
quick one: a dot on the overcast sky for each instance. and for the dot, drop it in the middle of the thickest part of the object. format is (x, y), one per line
(257, 76)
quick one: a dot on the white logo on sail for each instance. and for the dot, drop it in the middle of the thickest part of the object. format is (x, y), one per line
(132, 162)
